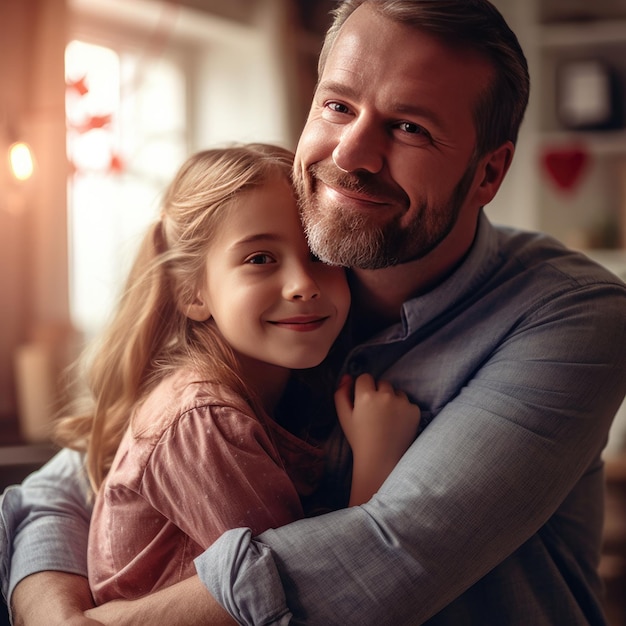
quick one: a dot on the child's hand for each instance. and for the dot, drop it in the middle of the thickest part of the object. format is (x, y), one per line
(380, 423)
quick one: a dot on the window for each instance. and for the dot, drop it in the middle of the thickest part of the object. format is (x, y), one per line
(148, 82)
(126, 137)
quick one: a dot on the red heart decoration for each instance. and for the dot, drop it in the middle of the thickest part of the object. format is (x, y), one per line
(566, 165)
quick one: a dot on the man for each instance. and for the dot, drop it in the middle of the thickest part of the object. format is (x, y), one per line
(512, 345)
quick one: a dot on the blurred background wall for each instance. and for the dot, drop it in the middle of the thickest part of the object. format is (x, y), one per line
(169, 78)
(112, 95)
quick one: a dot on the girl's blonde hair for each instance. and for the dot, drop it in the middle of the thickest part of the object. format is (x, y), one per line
(149, 335)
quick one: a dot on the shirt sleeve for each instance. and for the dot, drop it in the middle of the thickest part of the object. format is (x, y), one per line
(216, 468)
(481, 479)
(44, 522)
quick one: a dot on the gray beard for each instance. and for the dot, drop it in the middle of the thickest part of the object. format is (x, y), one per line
(349, 240)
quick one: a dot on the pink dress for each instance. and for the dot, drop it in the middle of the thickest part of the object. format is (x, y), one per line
(196, 462)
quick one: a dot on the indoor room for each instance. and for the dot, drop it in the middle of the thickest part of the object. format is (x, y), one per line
(101, 101)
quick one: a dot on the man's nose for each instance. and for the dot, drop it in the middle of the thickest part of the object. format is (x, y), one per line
(360, 147)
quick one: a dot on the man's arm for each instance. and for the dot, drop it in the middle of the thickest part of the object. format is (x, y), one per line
(164, 607)
(479, 481)
(44, 527)
(518, 441)
(523, 436)
(49, 598)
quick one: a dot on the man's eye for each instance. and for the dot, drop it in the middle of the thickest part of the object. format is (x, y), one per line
(337, 107)
(412, 129)
(413, 134)
(259, 259)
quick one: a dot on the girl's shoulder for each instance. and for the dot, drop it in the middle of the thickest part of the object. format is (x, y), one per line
(176, 396)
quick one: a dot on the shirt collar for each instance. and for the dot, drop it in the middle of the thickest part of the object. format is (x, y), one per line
(481, 261)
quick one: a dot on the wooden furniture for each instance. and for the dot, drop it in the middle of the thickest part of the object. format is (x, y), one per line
(613, 564)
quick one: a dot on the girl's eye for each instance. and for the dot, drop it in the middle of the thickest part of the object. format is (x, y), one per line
(259, 259)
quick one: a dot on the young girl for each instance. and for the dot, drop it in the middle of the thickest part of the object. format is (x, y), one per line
(188, 431)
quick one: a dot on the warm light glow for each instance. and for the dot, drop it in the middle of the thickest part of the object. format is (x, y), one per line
(21, 161)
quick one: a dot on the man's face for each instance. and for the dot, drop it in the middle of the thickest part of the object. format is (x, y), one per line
(384, 167)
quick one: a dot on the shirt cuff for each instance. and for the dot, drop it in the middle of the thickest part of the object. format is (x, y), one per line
(48, 547)
(242, 576)
(44, 523)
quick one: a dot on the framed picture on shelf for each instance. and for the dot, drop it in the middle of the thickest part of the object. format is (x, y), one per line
(588, 95)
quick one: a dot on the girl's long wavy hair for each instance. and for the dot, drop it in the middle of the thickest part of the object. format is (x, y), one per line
(149, 335)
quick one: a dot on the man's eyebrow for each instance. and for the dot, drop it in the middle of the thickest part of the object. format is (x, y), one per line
(335, 86)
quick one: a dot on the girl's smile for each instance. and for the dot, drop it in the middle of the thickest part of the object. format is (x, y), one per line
(274, 303)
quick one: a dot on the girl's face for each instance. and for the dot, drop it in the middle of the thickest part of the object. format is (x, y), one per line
(273, 302)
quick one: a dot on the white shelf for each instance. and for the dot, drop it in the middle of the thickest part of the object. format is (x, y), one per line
(600, 143)
(593, 212)
(593, 33)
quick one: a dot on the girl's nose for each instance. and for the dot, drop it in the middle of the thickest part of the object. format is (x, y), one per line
(301, 286)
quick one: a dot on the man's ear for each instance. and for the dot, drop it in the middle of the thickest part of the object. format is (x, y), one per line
(198, 310)
(493, 170)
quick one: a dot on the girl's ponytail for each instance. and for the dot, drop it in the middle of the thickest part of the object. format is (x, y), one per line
(149, 335)
(123, 361)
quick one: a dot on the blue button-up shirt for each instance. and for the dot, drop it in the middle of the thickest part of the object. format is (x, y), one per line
(493, 516)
